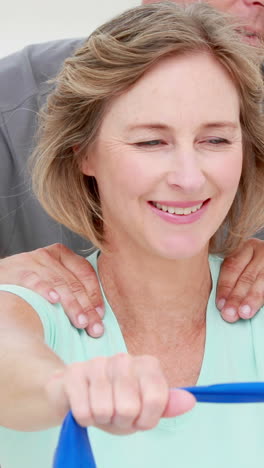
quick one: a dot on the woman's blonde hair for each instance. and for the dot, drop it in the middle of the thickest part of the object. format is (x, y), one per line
(111, 60)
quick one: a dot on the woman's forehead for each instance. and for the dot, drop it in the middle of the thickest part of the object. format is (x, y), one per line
(175, 91)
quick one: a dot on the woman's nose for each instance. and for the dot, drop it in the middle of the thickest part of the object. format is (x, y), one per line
(187, 174)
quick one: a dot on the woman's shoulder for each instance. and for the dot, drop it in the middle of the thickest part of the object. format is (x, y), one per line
(215, 266)
(215, 263)
(92, 258)
(52, 316)
(41, 306)
(56, 325)
(216, 260)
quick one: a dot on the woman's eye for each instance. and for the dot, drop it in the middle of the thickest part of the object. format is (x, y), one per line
(218, 141)
(150, 143)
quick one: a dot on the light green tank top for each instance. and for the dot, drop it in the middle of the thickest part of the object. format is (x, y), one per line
(210, 436)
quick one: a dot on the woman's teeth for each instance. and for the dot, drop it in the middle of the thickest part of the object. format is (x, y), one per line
(177, 211)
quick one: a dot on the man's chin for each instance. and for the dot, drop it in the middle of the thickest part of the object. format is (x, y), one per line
(253, 40)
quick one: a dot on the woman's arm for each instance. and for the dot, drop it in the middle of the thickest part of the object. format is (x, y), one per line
(26, 364)
(120, 394)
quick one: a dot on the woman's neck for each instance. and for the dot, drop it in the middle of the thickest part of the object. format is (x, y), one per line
(144, 290)
(160, 306)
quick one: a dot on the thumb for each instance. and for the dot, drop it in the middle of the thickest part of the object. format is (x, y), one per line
(179, 402)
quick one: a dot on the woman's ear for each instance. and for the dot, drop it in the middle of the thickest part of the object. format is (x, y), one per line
(86, 166)
(85, 163)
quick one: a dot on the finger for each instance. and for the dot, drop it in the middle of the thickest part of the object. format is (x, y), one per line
(154, 393)
(46, 265)
(179, 402)
(231, 269)
(71, 292)
(59, 285)
(254, 299)
(88, 317)
(76, 304)
(77, 390)
(80, 315)
(82, 270)
(101, 395)
(32, 280)
(25, 270)
(230, 312)
(84, 286)
(126, 395)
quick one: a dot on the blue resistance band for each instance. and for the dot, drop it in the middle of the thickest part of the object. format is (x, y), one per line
(74, 449)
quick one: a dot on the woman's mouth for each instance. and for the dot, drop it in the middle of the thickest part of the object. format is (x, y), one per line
(178, 210)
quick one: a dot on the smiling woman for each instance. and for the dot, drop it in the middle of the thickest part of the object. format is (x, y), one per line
(177, 160)
(152, 146)
(91, 65)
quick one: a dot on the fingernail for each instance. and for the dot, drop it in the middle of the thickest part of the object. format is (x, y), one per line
(220, 304)
(97, 329)
(245, 310)
(82, 320)
(54, 296)
(100, 311)
(229, 312)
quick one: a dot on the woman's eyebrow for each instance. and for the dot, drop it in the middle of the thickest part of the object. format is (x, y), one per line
(155, 125)
(225, 124)
(221, 124)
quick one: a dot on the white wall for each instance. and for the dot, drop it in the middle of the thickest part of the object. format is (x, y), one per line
(25, 22)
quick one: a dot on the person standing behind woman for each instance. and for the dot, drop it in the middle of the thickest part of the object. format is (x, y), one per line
(151, 146)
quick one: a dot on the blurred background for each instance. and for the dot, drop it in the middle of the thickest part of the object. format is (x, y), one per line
(27, 21)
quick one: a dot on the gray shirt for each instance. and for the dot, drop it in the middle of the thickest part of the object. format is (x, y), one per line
(24, 225)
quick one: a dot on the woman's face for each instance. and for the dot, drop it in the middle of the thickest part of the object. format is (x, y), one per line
(168, 157)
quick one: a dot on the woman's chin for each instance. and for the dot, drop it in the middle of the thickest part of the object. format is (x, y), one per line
(181, 249)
